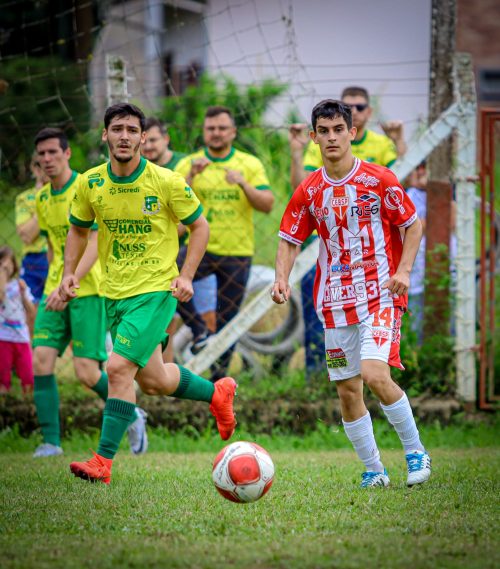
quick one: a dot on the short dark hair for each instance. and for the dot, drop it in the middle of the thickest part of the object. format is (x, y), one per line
(217, 110)
(6, 251)
(330, 109)
(356, 92)
(124, 110)
(50, 132)
(152, 122)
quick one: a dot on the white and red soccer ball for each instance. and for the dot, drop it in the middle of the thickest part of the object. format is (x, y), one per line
(243, 472)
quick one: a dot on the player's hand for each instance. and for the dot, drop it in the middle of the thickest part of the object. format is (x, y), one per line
(234, 177)
(54, 302)
(297, 136)
(67, 288)
(182, 288)
(280, 293)
(198, 166)
(398, 284)
(22, 286)
(393, 129)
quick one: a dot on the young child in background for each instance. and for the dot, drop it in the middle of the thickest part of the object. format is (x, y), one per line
(16, 310)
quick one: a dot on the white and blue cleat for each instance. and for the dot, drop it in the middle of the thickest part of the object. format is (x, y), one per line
(419, 467)
(46, 450)
(372, 479)
(137, 434)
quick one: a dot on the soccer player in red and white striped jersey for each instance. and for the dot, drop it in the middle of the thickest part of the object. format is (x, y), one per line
(362, 277)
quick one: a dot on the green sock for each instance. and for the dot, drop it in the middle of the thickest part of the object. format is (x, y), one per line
(101, 387)
(46, 399)
(192, 386)
(118, 414)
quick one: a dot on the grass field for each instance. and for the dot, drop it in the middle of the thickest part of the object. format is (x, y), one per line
(162, 510)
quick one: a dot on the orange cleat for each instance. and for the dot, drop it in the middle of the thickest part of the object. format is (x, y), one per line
(222, 406)
(97, 469)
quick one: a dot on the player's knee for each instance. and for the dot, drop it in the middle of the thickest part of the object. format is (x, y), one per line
(87, 371)
(117, 373)
(375, 379)
(349, 395)
(149, 386)
(42, 363)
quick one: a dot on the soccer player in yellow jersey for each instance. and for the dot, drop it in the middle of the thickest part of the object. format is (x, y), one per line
(368, 145)
(34, 265)
(137, 206)
(57, 323)
(230, 184)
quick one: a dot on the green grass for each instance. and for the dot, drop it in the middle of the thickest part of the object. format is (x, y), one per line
(161, 509)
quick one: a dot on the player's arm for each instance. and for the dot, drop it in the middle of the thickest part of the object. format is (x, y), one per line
(76, 243)
(285, 259)
(400, 280)
(89, 257)
(394, 130)
(182, 286)
(27, 301)
(29, 230)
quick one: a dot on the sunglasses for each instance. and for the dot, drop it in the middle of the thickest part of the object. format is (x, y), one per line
(360, 107)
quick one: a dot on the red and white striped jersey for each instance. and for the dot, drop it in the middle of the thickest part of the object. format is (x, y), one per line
(357, 220)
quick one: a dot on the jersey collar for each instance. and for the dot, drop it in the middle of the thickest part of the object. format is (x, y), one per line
(361, 140)
(357, 163)
(214, 159)
(66, 185)
(128, 179)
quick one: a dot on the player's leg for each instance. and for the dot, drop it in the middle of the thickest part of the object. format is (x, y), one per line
(380, 337)
(89, 351)
(343, 363)
(7, 350)
(232, 277)
(50, 338)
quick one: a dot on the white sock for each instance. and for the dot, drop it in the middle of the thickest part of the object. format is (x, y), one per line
(360, 433)
(400, 416)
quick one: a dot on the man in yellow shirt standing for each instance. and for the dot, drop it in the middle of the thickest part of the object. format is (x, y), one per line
(230, 184)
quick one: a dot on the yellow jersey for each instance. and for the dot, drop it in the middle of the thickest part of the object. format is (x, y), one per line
(52, 208)
(228, 211)
(137, 216)
(372, 147)
(25, 210)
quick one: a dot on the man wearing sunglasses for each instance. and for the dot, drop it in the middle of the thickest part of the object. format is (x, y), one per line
(368, 145)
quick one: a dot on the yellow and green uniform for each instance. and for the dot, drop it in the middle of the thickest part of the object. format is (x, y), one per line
(174, 160)
(372, 147)
(226, 206)
(25, 210)
(137, 216)
(83, 319)
(138, 245)
(52, 208)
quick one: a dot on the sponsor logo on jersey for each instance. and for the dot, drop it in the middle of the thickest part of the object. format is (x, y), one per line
(394, 199)
(113, 191)
(365, 206)
(367, 181)
(95, 180)
(319, 213)
(121, 250)
(151, 205)
(335, 358)
(299, 216)
(348, 267)
(128, 226)
(381, 336)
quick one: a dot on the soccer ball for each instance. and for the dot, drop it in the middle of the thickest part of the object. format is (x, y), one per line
(243, 472)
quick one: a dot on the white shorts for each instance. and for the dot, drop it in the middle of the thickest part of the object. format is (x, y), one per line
(375, 338)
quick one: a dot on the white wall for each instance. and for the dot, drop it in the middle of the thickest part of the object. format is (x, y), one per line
(320, 46)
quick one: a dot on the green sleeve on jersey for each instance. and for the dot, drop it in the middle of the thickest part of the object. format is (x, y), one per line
(94, 227)
(310, 168)
(391, 163)
(75, 221)
(44, 233)
(193, 217)
(263, 187)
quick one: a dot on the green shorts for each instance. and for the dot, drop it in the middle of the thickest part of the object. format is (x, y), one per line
(138, 324)
(83, 322)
